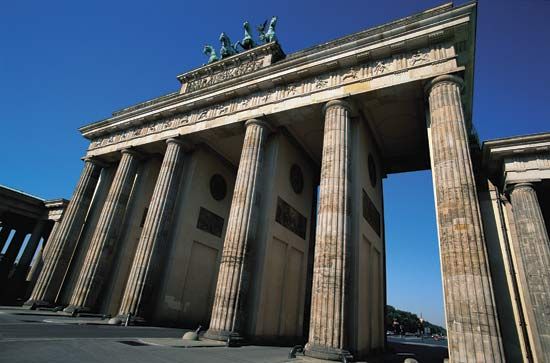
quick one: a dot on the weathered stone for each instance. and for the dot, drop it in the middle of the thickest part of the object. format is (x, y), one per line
(62, 243)
(534, 248)
(104, 241)
(472, 323)
(154, 237)
(328, 326)
(228, 318)
(38, 262)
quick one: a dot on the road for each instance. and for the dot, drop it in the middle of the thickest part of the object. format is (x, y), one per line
(417, 341)
(47, 338)
(29, 337)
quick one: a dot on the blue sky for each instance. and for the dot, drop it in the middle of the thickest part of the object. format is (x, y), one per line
(65, 64)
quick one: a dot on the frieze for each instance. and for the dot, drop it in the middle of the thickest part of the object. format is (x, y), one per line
(224, 75)
(357, 73)
(229, 68)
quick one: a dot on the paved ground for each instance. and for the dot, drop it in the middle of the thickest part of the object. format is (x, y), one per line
(29, 337)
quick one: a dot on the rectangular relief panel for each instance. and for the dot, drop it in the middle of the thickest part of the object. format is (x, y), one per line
(290, 218)
(371, 214)
(210, 222)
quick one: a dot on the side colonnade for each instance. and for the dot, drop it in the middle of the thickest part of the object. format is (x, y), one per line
(26, 223)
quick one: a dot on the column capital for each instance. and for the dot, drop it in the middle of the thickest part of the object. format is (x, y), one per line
(259, 122)
(186, 145)
(522, 185)
(132, 152)
(446, 78)
(96, 161)
(338, 103)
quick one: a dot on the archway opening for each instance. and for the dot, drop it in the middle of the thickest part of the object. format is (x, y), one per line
(413, 269)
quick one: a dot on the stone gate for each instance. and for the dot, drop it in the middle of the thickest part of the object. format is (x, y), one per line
(250, 201)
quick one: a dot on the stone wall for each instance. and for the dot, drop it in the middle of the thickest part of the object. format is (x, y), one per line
(186, 288)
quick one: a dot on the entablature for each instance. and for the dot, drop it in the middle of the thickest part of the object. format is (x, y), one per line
(402, 49)
(518, 159)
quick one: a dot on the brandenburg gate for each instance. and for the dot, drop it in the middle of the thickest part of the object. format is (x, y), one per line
(250, 200)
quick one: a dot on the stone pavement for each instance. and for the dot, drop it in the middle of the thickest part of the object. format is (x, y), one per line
(44, 336)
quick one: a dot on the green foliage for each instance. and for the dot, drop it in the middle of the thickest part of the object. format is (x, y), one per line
(409, 321)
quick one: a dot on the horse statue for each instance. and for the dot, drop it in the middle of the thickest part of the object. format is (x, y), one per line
(269, 35)
(247, 43)
(211, 53)
(227, 49)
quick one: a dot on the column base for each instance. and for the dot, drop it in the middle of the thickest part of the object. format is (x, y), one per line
(327, 353)
(120, 319)
(74, 310)
(35, 304)
(233, 339)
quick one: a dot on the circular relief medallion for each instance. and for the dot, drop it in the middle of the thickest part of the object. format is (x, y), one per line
(218, 187)
(296, 179)
(372, 171)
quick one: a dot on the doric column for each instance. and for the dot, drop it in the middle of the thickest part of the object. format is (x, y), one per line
(26, 257)
(327, 338)
(472, 323)
(38, 263)
(4, 234)
(154, 236)
(534, 249)
(46, 246)
(8, 258)
(61, 244)
(104, 240)
(228, 318)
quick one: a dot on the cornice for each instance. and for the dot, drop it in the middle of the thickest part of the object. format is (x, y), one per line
(390, 38)
(516, 154)
(494, 150)
(56, 203)
(419, 64)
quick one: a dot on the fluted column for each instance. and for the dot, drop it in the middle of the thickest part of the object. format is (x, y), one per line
(472, 322)
(61, 244)
(228, 318)
(38, 263)
(8, 258)
(534, 249)
(24, 262)
(154, 236)
(4, 234)
(42, 255)
(332, 237)
(104, 240)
